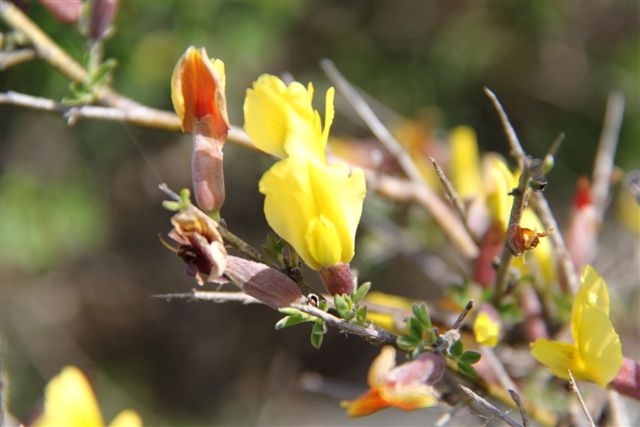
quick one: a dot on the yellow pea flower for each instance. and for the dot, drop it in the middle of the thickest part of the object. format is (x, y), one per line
(486, 329)
(407, 386)
(464, 162)
(70, 402)
(315, 207)
(596, 354)
(280, 119)
(387, 320)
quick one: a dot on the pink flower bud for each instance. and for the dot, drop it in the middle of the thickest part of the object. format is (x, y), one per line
(207, 170)
(337, 279)
(67, 12)
(101, 16)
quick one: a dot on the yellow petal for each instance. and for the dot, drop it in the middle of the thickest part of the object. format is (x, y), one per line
(127, 418)
(593, 292)
(70, 402)
(599, 346)
(464, 162)
(315, 207)
(543, 253)
(280, 119)
(381, 367)
(499, 183)
(486, 330)
(409, 398)
(558, 357)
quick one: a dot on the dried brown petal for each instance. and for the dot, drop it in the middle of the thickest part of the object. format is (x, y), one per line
(523, 239)
(428, 368)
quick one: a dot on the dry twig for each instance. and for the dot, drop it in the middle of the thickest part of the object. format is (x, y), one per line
(605, 156)
(488, 407)
(523, 412)
(15, 57)
(574, 386)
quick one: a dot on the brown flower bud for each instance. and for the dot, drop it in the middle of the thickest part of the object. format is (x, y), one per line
(337, 279)
(523, 239)
(207, 171)
(262, 282)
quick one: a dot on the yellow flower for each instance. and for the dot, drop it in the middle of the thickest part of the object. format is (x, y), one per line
(70, 402)
(486, 329)
(315, 207)
(596, 354)
(464, 163)
(197, 93)
(388, 301)
(406, 387)
(280, 119)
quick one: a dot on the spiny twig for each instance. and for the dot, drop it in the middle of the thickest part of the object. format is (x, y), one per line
(541, 206)
(371, 334)
(518, 402)
(463, 314)
(454, 198)
(482, 403)
(574, 386)
(605, 156)
(436, 207)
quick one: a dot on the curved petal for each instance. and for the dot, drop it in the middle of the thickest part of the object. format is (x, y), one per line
(381, 366)
(499, 182)
(364, 405)
(410, 398)
(289, 203)
(559, 357)
(464, 162)
(70, 402)
(599, 346)
(323, 241)
(486, 330)
(127, 418)
(592, 293)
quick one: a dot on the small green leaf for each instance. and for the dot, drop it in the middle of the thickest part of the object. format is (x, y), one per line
(415, 328)
(456, 349)
(323, 305)
(291, 311)
(287, 321)
(317, 333)
(362, 291)
(102, 74)
(469, 357)
(361, 314)
(342, 306)
(406, 343)
(422, 314)
(467, 370)
(171, 205)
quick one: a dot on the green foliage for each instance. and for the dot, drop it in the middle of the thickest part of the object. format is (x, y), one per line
(317, 333)
(420, 334)
(347, 308)
(274, 247)
(463, 359)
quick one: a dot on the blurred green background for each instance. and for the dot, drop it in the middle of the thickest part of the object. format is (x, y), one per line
(80, 209)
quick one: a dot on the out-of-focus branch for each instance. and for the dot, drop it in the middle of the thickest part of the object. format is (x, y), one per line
(583, 405)
(371, 334)
(441, 213)
(487, 407)
(541, 206)
(15, 57)
(523, 412)
(605, 156)
(454, 198)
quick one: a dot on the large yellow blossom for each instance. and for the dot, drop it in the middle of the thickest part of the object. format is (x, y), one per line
(70, 402)
(280, 119)
(407, 386)
(315, 207)
(596, 354)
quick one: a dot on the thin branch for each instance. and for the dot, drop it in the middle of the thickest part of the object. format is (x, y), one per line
(479, 401)
(212, 296)
(567, 269)
(498, 368)
(467, 308)
(574, 386)
(372, 334)
(435, 206)
(523, 412)
(519, 203)
(15, 57)
(606, 153)
(454, 198)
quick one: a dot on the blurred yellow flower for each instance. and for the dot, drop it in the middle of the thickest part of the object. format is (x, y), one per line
(407, 386)
(464, 163)
(315, 207)
(486, 329)
(197, 93)
(70, 402)
(597, 353)
(280, 119)
(385, 319)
